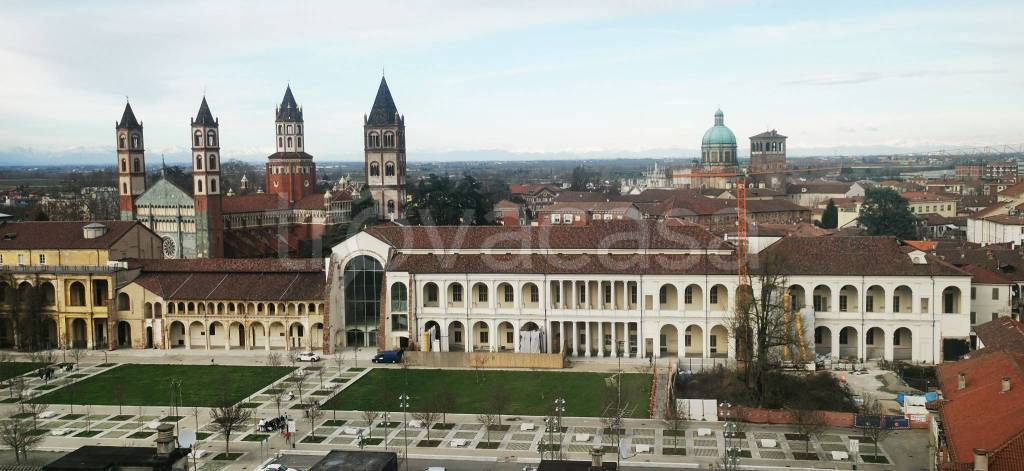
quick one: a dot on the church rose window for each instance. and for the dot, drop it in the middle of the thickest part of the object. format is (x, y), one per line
(170, 249)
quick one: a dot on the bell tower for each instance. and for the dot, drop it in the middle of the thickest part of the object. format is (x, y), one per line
(206, 183)
(291, 172)
(384, 145)
(131, 162)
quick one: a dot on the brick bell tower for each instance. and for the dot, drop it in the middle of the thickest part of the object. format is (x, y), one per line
(131, 162)
(206, 183)
(291, 173)
(384, 145)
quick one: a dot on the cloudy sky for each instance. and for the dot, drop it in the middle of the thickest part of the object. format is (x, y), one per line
(518, 76)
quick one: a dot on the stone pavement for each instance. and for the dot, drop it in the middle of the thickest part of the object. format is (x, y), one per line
(135, 426)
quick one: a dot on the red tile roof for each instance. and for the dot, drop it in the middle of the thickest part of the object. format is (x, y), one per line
(234, 279)
(618, 234)
(1015, 190)
(983, 275)
(37, 235)
(981, 415)
(839, 255)
(261, 202)
(1002, 333)
(565, 264)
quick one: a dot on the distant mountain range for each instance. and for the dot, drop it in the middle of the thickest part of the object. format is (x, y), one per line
(105, 155)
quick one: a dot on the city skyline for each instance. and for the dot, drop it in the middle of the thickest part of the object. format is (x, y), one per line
(489, 79)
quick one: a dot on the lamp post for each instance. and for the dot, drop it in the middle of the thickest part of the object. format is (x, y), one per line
(403, 402)
(559, 410)
(549, 423)
(732, 453)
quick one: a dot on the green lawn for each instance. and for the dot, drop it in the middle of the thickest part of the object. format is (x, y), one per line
(531, 392)
(149, 385)
(16, 368)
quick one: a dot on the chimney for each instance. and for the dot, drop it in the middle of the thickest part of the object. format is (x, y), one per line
(980, 459)
(164, 440)
(596, 458)
(1006, 384)
(961, 381)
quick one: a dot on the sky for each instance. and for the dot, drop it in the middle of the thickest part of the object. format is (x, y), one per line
(521, 78)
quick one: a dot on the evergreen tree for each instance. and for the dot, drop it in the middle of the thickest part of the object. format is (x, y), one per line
(830, 217)
(885, 212)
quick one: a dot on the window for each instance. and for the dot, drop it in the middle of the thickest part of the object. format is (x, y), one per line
(399, 322)
(508, 337)
(481, 293)
(373, 140)
(137, 165)
(895, 304)
(42, 259)
(213, 162)
(583, 295)
(556, 219)
(124, 167)
(124, 188)
(135, 141)
(279, 129)
(843, 336)
(713, 295)
(431, 292)
(974, 318)
(842, 303)
(280, 142)
(213, 329)
(632, 294)
(298, 128)
(509, 294)
(211, 139)
(289, 129)
(374, 169)
(289, 140)
(663, 295)
(896, 337)
(389, 139)
(819, 303)
(198, 140)
(199, 186)
(389, 169)
(21, 259)
(924, 305)
(213, 185)
(870, 338)
(456, 293)
(483, 336)
(199, 163)
(869, 303)
(688, 295)
(974, 293)
(608, 294)
(399, 297)
(534, 294)
(995, 294)
(298, 141)
(122, 141)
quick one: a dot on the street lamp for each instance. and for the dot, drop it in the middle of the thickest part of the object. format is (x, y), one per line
(559, 410)
(732, 453)
(403, 402)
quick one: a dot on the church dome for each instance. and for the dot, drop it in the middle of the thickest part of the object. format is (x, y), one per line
(719, 134)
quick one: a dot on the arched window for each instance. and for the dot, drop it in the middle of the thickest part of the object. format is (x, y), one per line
(289, 129)
(374, 169)
(430, 295)
(198, 138)
(399, 297)
(279, 129)
(280, 142)
(389, 139)
(122, 141)
(298, 129)
(363, 279)
(136, 165)
(213, 162)
(391, 206)
(199, 186)
(124, 188)
(211, 139)
(77, 294)
(298, 141)
(124, 303)
(124, 165)
(213, 185)
(289, 142)
(373, 140)
(199, 162)
(135, 141)
(389, 169)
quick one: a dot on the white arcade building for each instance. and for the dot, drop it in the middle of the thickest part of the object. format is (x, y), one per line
(634, 289)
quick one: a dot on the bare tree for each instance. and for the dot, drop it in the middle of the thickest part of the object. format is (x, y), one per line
(499, 402)
(320, 374)
(77, 354)
(763, 326)
(313, 412)
(339, 360)
(488, 420)
(616, 409)
(228, 417)
(428, 416)
(35, 408)
(274, 359)
(809, 423)
(119, 395)
(675, 420)
(278, 399)
(20, 435)
(444, 402)
(370, 416)
(875, 427)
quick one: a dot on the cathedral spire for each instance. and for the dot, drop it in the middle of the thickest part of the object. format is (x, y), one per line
(204, 117)
(128, 120)
(289, 109)
(384, 110)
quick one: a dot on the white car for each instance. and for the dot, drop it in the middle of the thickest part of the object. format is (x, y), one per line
(60, 431)
(308, 356)
(435, 468)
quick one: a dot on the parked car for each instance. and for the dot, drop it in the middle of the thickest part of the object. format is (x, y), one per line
(308, 356)
(390, 356)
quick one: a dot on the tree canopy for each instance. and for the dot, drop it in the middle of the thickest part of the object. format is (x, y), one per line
(441, 201)
(830, 217)
(885, 212)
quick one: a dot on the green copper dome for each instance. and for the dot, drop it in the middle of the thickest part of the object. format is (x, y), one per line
(719, 134)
